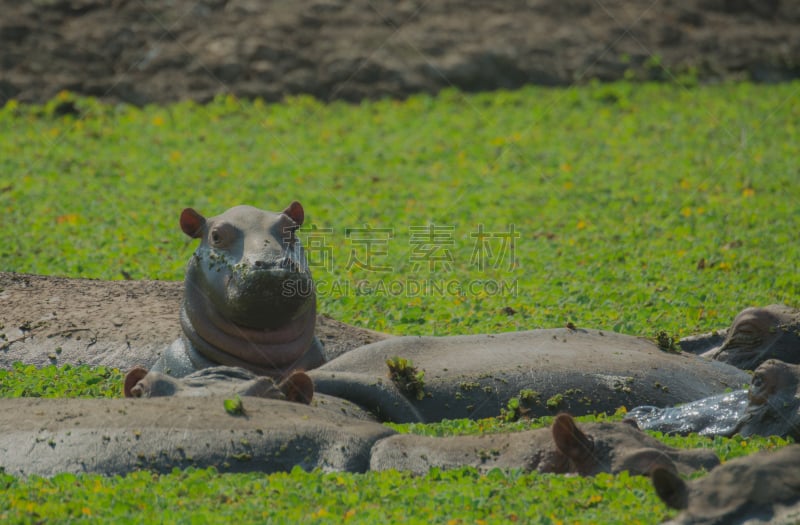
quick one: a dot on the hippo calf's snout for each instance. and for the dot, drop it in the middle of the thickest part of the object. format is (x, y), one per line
(249, 299)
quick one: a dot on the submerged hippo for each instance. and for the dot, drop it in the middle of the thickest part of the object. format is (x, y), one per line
(774, 402)
(248, 298)
(220, 381)
(562, 449)
(757, 334)
(229, 382)
(759, 488)
(117, 436)
(771, 407)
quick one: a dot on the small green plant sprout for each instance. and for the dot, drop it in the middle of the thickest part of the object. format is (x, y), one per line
(667, 343)
(554, 403)
(518, 406)
(405, 375)
(512, 411)
(234, 406)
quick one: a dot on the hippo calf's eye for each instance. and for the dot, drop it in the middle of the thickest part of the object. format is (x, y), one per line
(221, 235)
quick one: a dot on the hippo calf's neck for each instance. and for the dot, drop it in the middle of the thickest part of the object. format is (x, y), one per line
(249, 299)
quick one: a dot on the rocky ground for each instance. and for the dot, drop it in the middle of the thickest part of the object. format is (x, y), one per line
(52, 320)
(151, 51)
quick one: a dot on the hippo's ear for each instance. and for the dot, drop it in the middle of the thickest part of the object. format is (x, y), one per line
(571, 441)
(192, 223)
(295, 212)
(670, 488)
(298, 387)
(644, 462)
(131, 378)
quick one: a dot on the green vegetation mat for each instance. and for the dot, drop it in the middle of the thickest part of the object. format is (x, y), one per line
(627, 207)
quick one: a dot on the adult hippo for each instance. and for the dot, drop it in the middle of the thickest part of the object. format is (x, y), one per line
(575, 370)
(248, 298)
(759, 488)
(771, 407)
(757, 334)
(117, 436)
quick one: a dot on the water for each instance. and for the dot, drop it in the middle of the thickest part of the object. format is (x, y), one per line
(712, 416)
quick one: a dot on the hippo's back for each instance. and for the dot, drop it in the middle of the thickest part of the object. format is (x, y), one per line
(577, 370)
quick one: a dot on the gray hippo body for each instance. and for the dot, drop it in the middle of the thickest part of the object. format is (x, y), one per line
(579, 371)
(248, 299)
(117, 436)
(114, 437)
(759, 488)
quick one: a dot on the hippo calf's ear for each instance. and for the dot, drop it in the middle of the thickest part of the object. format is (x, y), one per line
(572, 442)
(298, 387)
(131, 379)
(295, 212)
(192, 223)
(670, 488)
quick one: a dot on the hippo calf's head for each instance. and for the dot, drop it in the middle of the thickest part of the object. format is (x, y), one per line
(249, 298)
(758, 334)
(250, 264)
(221, 380)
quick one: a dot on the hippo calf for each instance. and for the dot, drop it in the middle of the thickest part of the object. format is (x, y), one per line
(248, 299)
(759, 488)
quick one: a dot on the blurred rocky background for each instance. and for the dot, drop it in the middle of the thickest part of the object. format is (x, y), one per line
(147, 51)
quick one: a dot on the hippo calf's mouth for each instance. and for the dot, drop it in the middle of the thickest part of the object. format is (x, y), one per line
(266, 297)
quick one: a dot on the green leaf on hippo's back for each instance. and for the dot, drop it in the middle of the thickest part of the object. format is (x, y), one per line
(234, 406)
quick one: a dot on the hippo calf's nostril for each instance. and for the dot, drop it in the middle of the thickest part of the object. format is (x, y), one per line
(259, 264)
